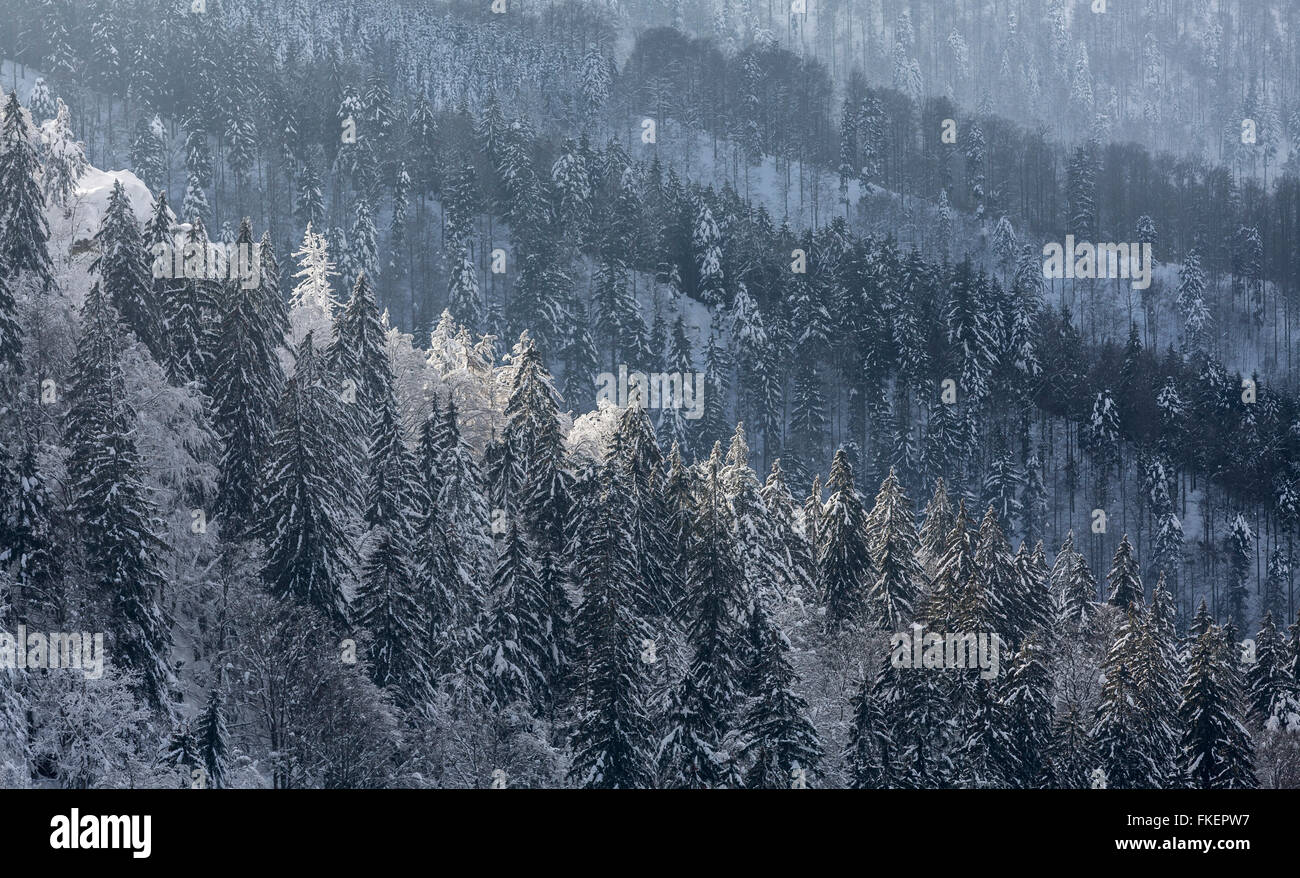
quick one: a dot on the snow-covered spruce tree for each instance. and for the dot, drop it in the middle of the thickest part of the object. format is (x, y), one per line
(464, 300)
(713, 426)
(1124, 578)
(536, 302)
(812, 524)
(749, 524)
(678, 491)
(513, 633)
(40, 102)
(246, 382)
(693, 753)
(159, 242)
(11, 334)
(780, 746)
(308, 553)
(673, 424)
(63, 158)
(893, 546)
(149, 152)
(1268, 681)
(446, 564)
(312, 303)
(212, 742)
(1136, 734)
(123, 268)
(1002, 485)
(545, 502)
(364, 240)
(932, 540)
(988, 603)
(359, 374)
(1026, 698)
(922, 725)
(272, 301)
(1159, 675)
(1240, 545)
(1079, 610)
(1216, 748)
(182, 751)
(1276, 584)
(984, 755)
(462, 494)
(954, 574)
(120, 530)
(1033, 602)
(789, 539)
(31, 544)
(843, 556)
(581, 361)
(870, 750)
(808, 421)
(358, 349)
(388, 600)
(309, 197)
(643, 462)
(24, 232)
(969, 333)
(612, 747)
(1117, 736)
(192, 315)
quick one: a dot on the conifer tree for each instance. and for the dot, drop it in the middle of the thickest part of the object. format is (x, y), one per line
(120, 530)
(612, 740)
(789, 538)
(694, 752)
(301, 521)
(871, 750)
(843, 557)
(780, 744)
(1216, 748)
(148, 152)
(24, 232)
(1124, 579)
(1268, 680)
(1240, 544)
(581, 362)
(512, 630)
(387, 600)
(989, 602)
(213, 743)
(63, 158)
(11, 334)
(358, 350)
(1118, 734)
(463, 298)
(123, 268)
(954, 574)
(1026, 701)
(192, 315)
(446, 565)
(932, 540)
(183, 750)
(246, 381)
(893, 545)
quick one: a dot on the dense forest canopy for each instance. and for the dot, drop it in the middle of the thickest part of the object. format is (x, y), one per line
(631, 395)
